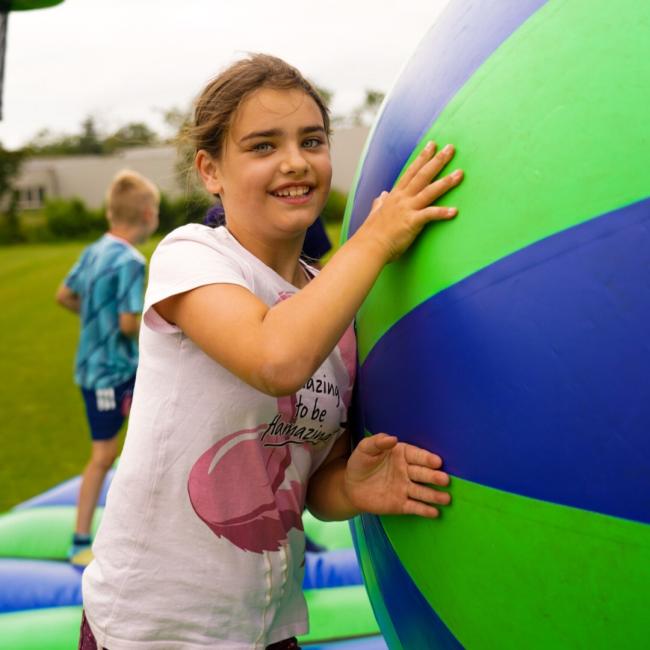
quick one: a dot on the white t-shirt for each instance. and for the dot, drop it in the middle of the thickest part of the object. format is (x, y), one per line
(201, 543)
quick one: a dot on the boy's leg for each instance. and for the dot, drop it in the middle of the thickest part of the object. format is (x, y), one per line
(106, 409)
(102, 457)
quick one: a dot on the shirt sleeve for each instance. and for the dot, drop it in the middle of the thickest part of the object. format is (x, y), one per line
(180, 264)
(130, 287)
(73, 279)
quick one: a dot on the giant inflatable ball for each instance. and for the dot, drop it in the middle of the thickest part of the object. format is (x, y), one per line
(515, 340)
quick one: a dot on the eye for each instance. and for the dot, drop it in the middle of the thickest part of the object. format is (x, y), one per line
(262, 147)
(312, 143)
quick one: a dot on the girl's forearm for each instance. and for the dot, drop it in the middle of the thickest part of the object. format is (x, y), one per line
(309, 325)
(326, 497)
(305, 328)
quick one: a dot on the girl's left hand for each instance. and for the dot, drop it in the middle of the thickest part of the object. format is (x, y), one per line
(384, 476)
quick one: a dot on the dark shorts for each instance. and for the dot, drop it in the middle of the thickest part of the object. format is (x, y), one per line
(107, 408)
(87, 640)
(86, 637)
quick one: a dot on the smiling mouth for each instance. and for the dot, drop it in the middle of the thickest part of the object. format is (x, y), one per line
(293, 192)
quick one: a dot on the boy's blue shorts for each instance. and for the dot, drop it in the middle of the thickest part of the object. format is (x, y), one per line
(107, 408)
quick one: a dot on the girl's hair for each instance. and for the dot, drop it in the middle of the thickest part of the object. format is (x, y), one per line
(216, 106)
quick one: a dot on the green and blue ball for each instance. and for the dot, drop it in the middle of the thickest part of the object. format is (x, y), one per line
(514, 340)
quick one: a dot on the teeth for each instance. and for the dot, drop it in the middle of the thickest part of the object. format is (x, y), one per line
(293, 191)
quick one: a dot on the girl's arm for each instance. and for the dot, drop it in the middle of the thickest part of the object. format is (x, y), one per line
(382, 476)
(276, 349)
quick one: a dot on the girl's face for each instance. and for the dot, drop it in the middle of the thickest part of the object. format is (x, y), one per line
(275, 170)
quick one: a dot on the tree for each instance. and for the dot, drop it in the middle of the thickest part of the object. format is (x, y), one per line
(326, 94)
(133, 134)
(9, 167)
(46, 143)
(89, 141)
(365, 112)
(178, 121)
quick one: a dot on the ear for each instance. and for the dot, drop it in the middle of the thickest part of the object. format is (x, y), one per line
(208, 169)
(150, 218)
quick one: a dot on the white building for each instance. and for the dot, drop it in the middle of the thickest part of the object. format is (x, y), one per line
(87, 177)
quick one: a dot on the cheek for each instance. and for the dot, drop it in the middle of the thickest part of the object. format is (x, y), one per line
(329, 174)
(325, 173)
(254, 182)
(248, 191)
(325, 169)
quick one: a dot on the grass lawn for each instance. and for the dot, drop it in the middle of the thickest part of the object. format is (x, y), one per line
(43, 431)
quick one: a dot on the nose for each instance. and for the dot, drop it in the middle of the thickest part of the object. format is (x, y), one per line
(294, 162)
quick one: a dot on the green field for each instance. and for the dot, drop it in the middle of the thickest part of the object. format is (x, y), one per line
(43, 431)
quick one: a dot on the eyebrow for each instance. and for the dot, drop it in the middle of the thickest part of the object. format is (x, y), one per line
(272, 133)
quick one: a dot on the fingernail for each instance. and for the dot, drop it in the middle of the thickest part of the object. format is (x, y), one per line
(457, 174)
(430, 145)
(447, 148)
(452, 212)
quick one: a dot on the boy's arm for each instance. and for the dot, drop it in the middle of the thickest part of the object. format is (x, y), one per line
(130, 325)
(131, 289)
(381, 476)
(67, 298)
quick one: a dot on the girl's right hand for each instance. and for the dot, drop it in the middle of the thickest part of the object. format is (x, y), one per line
(398, 216)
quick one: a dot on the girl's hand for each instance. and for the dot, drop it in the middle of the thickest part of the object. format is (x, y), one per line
(398, 216)
(384, 476)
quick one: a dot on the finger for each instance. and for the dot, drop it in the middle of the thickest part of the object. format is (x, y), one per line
(422, 159)
(418, 456)
(431, 169)
(428, 495)
(421, 474)
(378, 201)
(377, 444)
(437, 213)
(436, 189)
(420, 509)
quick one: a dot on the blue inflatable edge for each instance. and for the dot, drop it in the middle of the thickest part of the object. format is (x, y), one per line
(39, 584)
(367, 643)
(65, 494)
(413, 620)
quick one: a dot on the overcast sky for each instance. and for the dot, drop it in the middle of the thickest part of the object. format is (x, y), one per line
(129, 60)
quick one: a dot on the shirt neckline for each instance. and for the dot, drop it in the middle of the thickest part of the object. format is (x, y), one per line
(125, 242)
(309, 271)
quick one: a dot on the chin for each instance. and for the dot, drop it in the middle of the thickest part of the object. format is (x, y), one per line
(297, 225)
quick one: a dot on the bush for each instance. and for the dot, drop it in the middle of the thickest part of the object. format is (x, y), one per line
(33, 226)
(186, 209)
(71, 219)
(10, 232)
(335, 207)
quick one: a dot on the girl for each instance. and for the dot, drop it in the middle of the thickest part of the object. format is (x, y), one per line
(247, 362)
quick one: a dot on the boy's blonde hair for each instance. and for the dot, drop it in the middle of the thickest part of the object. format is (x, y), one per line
(128, 196)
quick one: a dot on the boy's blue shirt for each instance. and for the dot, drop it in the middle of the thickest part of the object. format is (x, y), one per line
(109, 279)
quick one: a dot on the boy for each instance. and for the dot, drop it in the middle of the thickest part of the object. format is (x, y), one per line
(105, 287)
